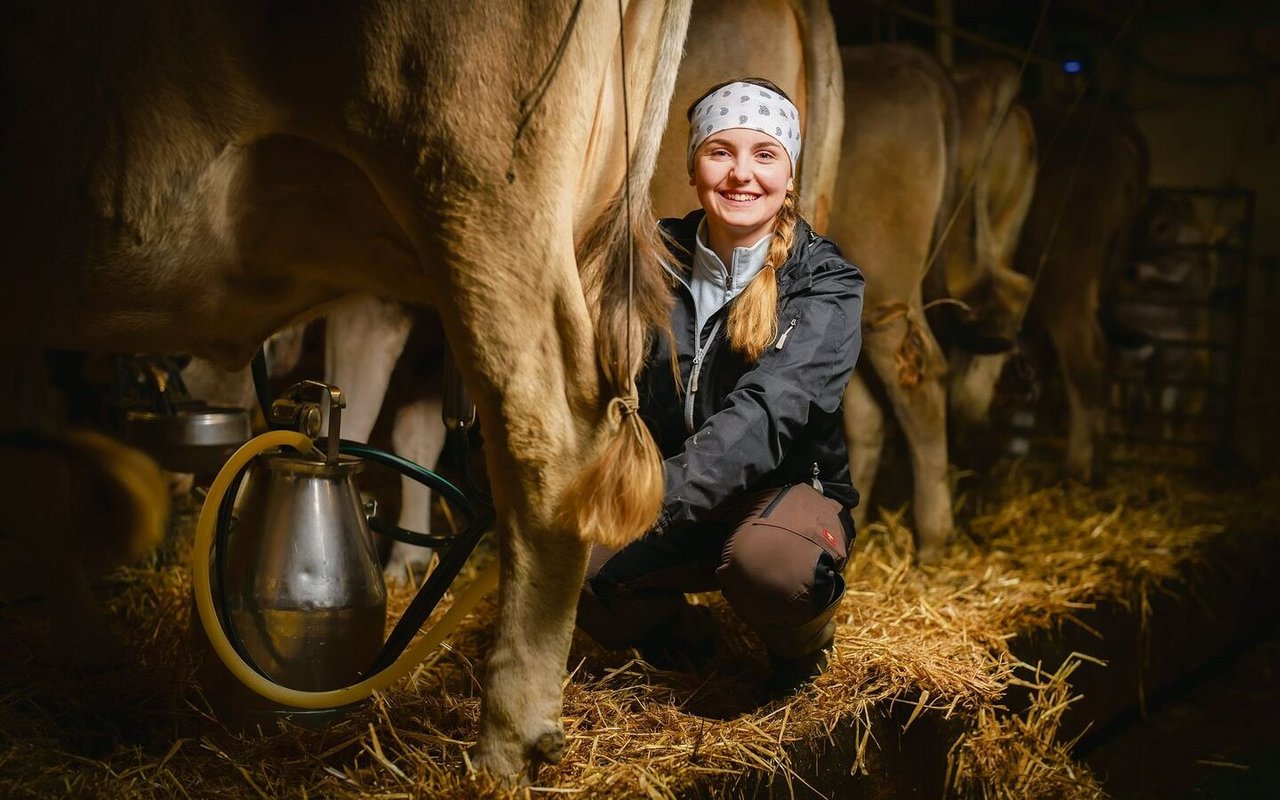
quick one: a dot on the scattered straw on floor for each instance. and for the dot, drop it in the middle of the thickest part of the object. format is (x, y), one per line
(924, 643)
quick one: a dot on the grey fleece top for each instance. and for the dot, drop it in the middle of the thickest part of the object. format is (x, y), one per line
(712, 284)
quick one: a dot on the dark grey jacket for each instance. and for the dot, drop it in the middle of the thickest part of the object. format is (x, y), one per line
(762, 425)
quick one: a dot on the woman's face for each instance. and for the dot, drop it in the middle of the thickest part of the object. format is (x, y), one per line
(741, 176)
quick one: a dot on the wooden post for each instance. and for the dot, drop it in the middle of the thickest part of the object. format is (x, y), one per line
(944, 11)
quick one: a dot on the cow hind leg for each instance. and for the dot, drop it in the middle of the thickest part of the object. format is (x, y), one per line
(1081, 354)
(528, 359)
(919, 402)
(364, 338)
(864, 436)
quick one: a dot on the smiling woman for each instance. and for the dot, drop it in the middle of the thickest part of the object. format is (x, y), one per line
(744, 401)
(742, 177)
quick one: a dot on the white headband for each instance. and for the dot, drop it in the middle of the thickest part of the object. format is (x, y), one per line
(746, 105)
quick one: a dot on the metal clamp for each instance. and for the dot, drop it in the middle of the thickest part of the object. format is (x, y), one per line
(292, 410)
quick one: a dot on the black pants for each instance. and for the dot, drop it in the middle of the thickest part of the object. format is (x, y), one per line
(776, 555)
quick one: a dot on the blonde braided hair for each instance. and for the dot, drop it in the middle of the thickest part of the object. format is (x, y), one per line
(753, 319)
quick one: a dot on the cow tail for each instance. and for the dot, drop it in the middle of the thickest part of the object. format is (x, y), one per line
(824, 110)
(617, 494)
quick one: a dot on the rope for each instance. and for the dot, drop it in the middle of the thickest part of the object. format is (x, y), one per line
(622, 407)
(533, 100)
(626, 193)
(909, 357)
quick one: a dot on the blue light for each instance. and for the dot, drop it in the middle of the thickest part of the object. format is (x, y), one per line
(1072, 67)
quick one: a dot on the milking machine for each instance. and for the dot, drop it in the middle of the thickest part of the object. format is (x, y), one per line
(287, 584)
(152, 409)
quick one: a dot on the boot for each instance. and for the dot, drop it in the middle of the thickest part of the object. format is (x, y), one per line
(687, 645)
(798, 653)
(790, 673)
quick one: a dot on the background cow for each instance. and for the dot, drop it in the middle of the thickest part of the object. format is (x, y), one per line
(194, 176)
(995, 175)
(894, 180)
(1092, 181)
(364, 340)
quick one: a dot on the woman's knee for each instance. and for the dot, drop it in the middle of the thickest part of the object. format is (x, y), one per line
(783, 566)
(768, 576)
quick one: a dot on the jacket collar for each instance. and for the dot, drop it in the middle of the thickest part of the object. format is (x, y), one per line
(794, 277)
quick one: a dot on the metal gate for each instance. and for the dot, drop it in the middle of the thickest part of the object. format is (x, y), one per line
(1182, 304)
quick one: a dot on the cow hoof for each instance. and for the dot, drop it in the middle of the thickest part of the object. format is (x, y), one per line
(930, 554)
(407, 566)
(520, 764)
(549, 748)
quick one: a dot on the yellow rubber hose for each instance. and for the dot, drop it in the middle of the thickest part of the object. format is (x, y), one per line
(463, 602)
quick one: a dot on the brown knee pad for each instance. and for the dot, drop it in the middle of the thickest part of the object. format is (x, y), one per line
(781, 566)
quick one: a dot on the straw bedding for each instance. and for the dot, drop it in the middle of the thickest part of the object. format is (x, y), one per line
(924, 643)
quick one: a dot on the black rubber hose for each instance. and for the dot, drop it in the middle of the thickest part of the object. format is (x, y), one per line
(434, 541)
(409, 469)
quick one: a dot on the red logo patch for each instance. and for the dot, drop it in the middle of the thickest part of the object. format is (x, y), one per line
(826, 534)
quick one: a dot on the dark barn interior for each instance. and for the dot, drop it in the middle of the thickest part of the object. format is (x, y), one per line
(1096, 616)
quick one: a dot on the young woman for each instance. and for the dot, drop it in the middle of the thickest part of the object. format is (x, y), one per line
(744, 402)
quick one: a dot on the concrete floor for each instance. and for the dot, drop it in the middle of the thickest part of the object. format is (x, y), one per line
(1216, 737)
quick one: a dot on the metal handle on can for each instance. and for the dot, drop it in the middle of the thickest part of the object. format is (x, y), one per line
(292, 410)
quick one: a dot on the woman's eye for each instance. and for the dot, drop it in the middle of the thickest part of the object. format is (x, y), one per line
(766, 155)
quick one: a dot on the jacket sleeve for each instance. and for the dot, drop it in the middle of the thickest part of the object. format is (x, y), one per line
(770, 405)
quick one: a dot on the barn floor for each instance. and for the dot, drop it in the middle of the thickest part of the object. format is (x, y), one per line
(971, 678)
(1214, 737)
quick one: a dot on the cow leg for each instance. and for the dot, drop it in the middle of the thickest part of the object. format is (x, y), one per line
(1082, 353)
(864, 436)
(363, 341)
(527, 353)
(542, 570)
(419, 436)
(922, 411)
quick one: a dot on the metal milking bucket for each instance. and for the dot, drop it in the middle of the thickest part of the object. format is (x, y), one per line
(297, 579)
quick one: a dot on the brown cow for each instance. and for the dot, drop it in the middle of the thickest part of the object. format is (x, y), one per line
(894, 182)
(995, 175)
(190, 177)
(1092, 182)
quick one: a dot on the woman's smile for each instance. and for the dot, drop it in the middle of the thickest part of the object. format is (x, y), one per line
(741, 176)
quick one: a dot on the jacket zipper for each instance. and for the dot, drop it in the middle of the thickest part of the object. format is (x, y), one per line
(783, 338)
(699, 354)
